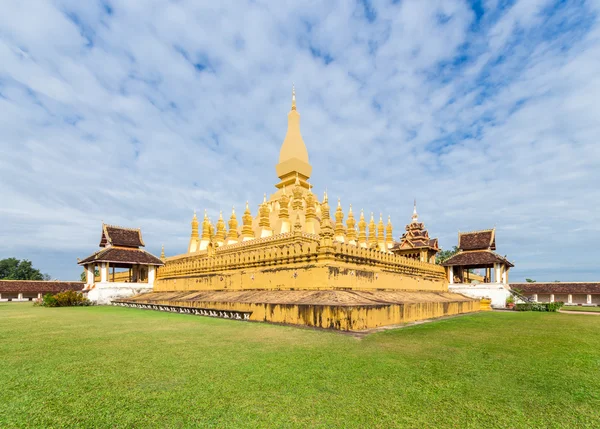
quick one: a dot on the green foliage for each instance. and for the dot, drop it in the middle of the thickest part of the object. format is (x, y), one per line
(510, 299)
(530, 280)
(16, 269)
(69, 298)
(104, 366)
(539, 306)
(84, 274)
(444, 255)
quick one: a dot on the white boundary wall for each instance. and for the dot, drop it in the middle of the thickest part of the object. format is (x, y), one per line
(104, 292)
(497, 292)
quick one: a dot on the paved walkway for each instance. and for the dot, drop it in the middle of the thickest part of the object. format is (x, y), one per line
(593, 313)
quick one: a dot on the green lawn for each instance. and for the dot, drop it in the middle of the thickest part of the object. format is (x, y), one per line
(581, 308)
(119, 367)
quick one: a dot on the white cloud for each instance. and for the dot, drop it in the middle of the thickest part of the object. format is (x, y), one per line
(139, 116)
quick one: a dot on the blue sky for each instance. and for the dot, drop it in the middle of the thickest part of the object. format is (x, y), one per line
(138, 112)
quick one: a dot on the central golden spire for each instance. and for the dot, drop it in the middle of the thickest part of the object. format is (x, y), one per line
(293, 156)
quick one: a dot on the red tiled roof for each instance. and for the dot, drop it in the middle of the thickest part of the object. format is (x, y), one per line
(472, 259)
(33, 286)
(118, 236)
(558, 288)
(477, 240)
(123, 255)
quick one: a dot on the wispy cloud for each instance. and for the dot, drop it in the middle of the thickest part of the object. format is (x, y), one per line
(138, 113)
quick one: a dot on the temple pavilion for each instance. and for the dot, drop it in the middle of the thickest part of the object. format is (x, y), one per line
(294, 261)
(121, 249)
(476, 251)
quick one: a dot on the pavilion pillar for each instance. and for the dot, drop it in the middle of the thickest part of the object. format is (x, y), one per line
(570, 299)
(21, 296)
(497, 273)
(451, 274)
(551, 297)
(40, 295)
(534, 297)
(504, 272)
(151, 274)
(90, 274)
(589, 299)
(104, 272)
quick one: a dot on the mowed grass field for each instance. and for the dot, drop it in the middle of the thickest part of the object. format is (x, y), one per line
(119, 367)
(581, 308)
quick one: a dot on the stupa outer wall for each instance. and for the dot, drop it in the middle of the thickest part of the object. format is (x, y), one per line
(299, 266)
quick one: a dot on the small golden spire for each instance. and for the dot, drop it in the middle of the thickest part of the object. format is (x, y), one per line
(284, 202)
(311, 211)
(206, 226)
(351, 226)
(298, 194)
(194, 226)
(263, 212)
(293, 97)
(247, 231)
(221, 232)
(233, 224)
(380, 233)
(372, 232)
(162, 252)
(362, 229)
(339, 220)
(389, 238)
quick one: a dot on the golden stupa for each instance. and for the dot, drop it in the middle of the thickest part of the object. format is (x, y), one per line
(292, 263)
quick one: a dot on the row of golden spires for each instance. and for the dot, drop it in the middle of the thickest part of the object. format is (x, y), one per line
(367, 235)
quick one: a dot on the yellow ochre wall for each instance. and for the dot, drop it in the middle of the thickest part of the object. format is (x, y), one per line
(347, 318)
(303, 277)
(300, 266)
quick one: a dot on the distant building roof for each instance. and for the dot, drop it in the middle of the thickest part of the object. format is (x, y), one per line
(34, 286)
(476, 258)
(119, 236)
(558, 288)
(122, 255)
(477, 240)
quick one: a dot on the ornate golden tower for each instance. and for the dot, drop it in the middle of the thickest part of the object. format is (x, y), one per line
(221, 232)
(380, 234)
(326, 232)
(264, 224)
(389, 237)
(351, 227)
(232, 236)
(340, 232)
(311, 213)
(193, 246)
(372, 241)
(362, 230)
(284, 213)
(247, 231)
(293, 156)
(162, 253)
(298, 194)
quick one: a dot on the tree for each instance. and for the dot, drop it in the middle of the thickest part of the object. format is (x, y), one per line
(530, 280)
(84, 274)
(16, 269)
(444, 255)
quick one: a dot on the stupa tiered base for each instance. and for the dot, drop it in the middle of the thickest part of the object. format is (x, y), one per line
(335, 309)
